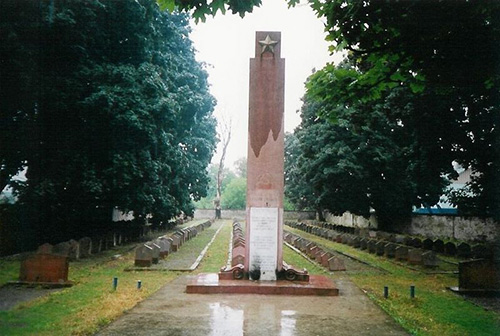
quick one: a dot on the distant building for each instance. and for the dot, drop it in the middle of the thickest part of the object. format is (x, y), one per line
(444, 207)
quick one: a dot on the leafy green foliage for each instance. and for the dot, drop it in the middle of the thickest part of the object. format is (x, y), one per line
(207, 202)
(111, 109)
(235, 195)
(383, 154)
(446, 54)
(201, 9)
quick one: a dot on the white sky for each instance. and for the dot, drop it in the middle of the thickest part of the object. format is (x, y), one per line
(226, 44)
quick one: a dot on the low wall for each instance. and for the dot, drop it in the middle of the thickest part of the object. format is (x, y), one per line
(241, 214)
(431, 226)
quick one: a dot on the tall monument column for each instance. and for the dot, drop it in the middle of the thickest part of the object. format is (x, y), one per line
(259, 255)
(265, 179)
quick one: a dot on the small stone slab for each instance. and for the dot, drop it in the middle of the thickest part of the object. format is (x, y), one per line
(479, 275)
(427, 244)
(481, 251)
(324, 259)
(162, 243)
(156, 252)
(45, 249)
(380, 247)
(143, 256)
(450, 249)
(61, 249)
(390, 250)
(438, 246)
(336, 264)
(44, 268)
(401, 253)
(85, 247)
(363, 243)
(416, 242)
(372, 246)
(464, 250)
(415, 256)
(429, 259)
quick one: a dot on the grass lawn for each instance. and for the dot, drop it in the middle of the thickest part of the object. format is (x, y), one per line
(434, 310)
(91, 303)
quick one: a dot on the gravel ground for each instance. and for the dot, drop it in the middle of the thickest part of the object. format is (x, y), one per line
(12, 295)
(487, 302)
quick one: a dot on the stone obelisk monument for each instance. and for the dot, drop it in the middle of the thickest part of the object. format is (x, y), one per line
(264, 218)
(259, 255)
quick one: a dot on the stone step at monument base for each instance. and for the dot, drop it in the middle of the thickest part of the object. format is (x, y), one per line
(209, 283)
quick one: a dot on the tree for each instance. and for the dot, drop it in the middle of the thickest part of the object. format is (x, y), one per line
(207, 202)
(225, 135)
(431, 49)
(112, 111)
(384, 154)
(235, 195)
(241, 167)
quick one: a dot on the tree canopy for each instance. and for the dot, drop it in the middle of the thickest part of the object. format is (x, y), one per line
(106, 106)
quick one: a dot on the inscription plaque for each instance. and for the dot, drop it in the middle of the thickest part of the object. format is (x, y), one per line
(263, 243)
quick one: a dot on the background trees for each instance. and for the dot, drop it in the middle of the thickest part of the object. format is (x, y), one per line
(105, 105)
(445, 55)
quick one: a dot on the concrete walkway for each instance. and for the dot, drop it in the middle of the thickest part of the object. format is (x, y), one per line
(171, 311)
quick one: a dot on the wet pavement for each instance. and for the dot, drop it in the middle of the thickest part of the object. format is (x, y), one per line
(173, 312)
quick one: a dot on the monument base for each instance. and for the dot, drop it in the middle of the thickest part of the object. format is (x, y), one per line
(209, 283)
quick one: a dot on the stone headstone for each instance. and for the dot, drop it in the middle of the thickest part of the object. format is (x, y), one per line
(162, 243)
(336, 264)
(143, 256)
(401, 253)
(176, 242)
(415, 256)
(464, 250)
(481, 251)
(450, 249)
(429, 259)
(356, 242)
(317, 254)
(390, 250)
(427, 244)
(311, 252)
(61, 249)
(85, 247)
(372, 246)
(363, 243)
(324, 259)
(96, 245)
(479, 274)
(416, 242)
(399, 239)
(44, 268)
(438, 246)
(45, 249)
(74, 250)
(380, 247)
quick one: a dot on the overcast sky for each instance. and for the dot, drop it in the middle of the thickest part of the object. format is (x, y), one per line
(226, 43)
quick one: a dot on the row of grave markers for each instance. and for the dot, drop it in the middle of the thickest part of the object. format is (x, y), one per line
(50, 263)
(235, 268)
(413, 256)
(461, 250)
(315, 252)
(151, 252)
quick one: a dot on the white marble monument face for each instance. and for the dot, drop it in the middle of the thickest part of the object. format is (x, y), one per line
(263, 243)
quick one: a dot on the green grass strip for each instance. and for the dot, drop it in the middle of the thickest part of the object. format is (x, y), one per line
(434, 311)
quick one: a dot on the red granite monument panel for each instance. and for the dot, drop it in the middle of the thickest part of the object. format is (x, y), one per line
(265, 160)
